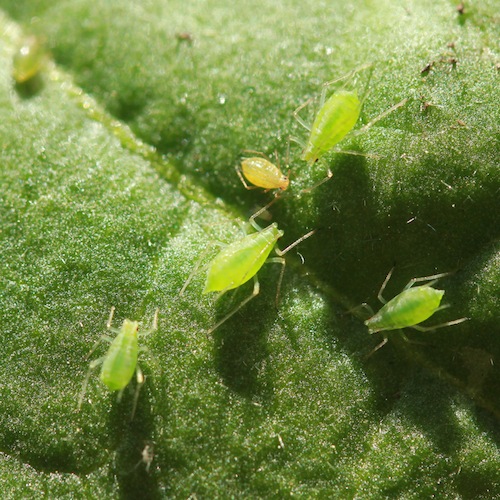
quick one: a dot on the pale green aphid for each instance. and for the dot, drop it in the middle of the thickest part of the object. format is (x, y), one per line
(120, 362)
(409, 308)
(241, 260)
(335, 119)
(28, 60)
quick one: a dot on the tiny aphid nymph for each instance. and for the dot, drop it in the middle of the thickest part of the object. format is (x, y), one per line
(120, 362)
(28, 60)
(261, 172)
(241, 260)
(410, 307)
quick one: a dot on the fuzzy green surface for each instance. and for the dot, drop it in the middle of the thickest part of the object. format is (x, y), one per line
(116, 171)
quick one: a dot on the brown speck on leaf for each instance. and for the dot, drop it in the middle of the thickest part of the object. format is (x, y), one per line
(184, 37)
(461, 8)
(427, 68)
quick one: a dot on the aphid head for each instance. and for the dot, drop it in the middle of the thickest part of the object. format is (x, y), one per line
(284, 182)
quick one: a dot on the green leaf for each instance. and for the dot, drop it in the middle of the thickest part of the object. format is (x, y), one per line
(117, 171)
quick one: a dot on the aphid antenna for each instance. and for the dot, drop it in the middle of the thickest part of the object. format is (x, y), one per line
(322, 99)
(347, 76)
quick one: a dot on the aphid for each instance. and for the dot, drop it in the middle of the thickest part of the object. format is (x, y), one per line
(147, 457)
(336, 118)
(120, 362)
(184, 36)
(28, 60)
(241, 260)
(409, 308)
(262, 173)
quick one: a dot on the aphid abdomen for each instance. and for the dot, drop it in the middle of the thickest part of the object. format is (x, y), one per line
(409, 308)
(261, 172)
(241, 260)
(333, 122)
(121, 360)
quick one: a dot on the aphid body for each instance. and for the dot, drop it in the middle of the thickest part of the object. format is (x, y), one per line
(334, 121)
(28, 60)
(120, 361)
(409, 308)
(241, 260)
(262, 173)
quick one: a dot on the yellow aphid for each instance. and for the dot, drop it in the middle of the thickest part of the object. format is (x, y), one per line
(262, 173)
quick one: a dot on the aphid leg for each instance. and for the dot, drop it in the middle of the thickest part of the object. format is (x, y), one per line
(140, 382)
(357, 153)
(278, 260)
(281, 260)
(431, 328)
(298, 141)
(242, 179)
(297, 116)
(110, 319)
(295, 243)
(260, 153)
(329, 175)
(382, 288)
(257, 214)
(364, 306)
(153, 327)
(375, 349)
(94, 364)
(431, 279)
(255, 292)
(382, 115)
(195, 270)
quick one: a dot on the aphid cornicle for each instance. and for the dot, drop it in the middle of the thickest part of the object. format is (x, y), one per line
(120, 362)
(262, 173)
(409, 308)
(241, 260)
